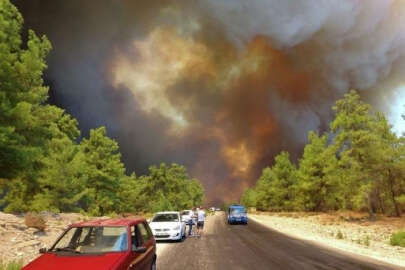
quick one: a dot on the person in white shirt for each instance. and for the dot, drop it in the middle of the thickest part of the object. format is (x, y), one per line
(200, 221)
(191, 221)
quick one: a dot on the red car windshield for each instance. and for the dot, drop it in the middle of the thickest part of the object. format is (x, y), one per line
(87, 240)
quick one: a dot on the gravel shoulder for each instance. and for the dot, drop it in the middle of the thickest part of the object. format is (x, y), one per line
(348, 232)
(20, 243)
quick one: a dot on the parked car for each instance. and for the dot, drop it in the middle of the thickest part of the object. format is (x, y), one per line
(113, 244)
(187, 216)
(237, 214)
(168, 226)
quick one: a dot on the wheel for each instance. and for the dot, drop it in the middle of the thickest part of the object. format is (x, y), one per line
(153, 265)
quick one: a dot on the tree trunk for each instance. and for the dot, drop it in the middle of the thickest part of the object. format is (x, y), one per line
(370, 206)
(397, 211)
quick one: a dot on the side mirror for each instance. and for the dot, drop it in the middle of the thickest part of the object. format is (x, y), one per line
(43, 250)
(140, 249)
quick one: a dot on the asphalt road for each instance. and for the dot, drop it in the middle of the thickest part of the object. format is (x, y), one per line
(252, 247)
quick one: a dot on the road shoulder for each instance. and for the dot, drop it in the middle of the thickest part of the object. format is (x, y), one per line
(317, 233)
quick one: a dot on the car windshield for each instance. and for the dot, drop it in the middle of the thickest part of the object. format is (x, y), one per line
(238, 211)
(185, 213)
(166, 218)
(95, 239)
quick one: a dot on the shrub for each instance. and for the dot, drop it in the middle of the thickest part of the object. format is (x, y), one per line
(14, 265)
(36, 221)
(398, 239)
(366, 241)
(339, 235)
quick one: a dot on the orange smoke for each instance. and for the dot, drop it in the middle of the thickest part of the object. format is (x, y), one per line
(167, 66)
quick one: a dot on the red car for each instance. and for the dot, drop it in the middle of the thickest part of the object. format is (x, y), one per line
(101, 244)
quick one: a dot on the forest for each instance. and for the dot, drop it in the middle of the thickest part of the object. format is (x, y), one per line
(359, 164)
(45, 163)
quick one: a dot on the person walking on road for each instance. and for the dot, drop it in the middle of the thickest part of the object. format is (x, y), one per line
(200, 221)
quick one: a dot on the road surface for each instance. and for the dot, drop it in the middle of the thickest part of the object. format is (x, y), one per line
(253, 247)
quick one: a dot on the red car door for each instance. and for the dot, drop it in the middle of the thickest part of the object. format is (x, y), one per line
(149, 243)
(138, 259)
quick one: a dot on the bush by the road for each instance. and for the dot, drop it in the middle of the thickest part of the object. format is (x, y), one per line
(14, 265)
(398, 239)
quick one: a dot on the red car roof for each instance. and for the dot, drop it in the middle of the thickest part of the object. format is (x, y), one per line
(110, 222)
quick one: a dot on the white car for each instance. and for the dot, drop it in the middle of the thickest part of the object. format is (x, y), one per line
(168, 226)
(187, 216)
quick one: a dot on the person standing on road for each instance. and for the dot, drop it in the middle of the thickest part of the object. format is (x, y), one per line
(191, 221)
(200, 221)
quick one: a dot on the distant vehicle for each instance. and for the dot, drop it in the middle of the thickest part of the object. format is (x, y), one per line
(237, 214)
(218, 209)
(212, 209)
(168, 226)
(187, 216)
(113, 244)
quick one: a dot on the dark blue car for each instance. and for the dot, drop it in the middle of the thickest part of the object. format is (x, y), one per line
(237, 214)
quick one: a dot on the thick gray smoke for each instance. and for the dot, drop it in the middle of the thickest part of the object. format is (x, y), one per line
(357, 41)
(218, 85)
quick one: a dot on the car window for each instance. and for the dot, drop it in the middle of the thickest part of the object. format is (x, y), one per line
(136, 238)
(145, 233)
(93, 240)
(166, 218)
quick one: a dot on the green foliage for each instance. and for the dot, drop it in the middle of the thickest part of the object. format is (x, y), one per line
(398, 239)
(24, 127)
(168, 188)
(249, 198)
(339, 235)
(43, 164)
(13, 265)
(359, 165)
(366, 240)
(104, 171)
(276, 186)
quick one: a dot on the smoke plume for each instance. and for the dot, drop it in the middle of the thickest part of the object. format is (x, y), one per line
(220, 86)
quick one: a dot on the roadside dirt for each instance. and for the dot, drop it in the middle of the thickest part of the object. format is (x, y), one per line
(349, 231)
(18, 242)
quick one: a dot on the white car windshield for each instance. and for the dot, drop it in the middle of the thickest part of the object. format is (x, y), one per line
(166, 218)
(95, 239)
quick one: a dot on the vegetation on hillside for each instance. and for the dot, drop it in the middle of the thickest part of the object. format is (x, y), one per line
(44, 162)
(358, 165)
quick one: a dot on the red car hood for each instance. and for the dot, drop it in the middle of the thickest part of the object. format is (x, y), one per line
(50, 261)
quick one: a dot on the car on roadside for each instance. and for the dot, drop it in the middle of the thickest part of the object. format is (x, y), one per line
(113, 244)
(168, 226)
(237, 214)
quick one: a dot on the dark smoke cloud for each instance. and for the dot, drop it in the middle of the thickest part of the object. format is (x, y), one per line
(220, 86)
